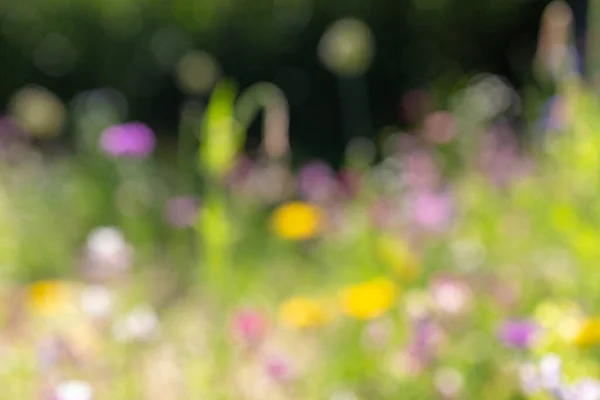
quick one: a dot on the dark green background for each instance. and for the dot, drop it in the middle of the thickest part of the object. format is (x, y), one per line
(416, 47)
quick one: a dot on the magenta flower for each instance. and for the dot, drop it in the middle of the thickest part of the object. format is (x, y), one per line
(133, 139)
(181, 211)
(249, 327)
(518, 333)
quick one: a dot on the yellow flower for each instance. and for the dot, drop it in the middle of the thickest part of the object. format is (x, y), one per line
(368, 300)
(48, 298)
(302, 312)
(561, 319)
(588, 333)
(296, 221)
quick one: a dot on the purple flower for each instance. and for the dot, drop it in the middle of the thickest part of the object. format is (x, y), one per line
(181, 211)
(518, 333)
(132, 139)
(316, 181)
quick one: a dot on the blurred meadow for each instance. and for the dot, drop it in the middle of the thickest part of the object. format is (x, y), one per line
(299, 200)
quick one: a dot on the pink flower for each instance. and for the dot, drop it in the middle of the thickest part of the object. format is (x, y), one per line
(440, 127)
(451, 294)
(249, 327)
(432, 211)
(420, 170)
(279, 368)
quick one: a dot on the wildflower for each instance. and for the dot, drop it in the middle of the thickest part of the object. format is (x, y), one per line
(141, 324)
(420, 170)
(249, 327)
(370, 299)
(49, 298)
(296, 221)
(181, 211)
(96, 301)
(451, 295)
(133, 139)
(427, 340)
(316, 181)
(107, 254)
(529, 378)
(584, 389)
(588, 333)
(440, 127)
(74, 390)
(50, 351)
(279, 368)
(518, 333)
(550, 368)
(432, 211)
(562, 319)
(302, 312)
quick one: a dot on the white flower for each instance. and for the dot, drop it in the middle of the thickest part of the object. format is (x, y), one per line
(550, 371)
(106, 241)
(96, 301)
(107, 253)
(140, 324)
(586, 389)
(74, 390)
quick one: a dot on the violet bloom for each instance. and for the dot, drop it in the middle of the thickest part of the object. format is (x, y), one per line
(316, 181)
(132, 139)
(427, 338)
(181, 211)
(518, 333)
(432, 211)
